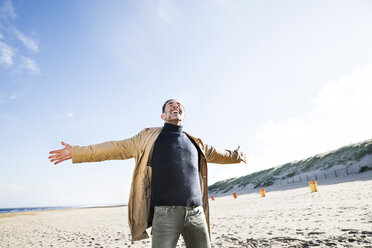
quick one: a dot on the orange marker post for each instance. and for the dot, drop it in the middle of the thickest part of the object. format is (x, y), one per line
(263, 193)
(235, 195)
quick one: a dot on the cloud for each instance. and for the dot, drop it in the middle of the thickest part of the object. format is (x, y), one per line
(167, 12)
(350, 92)
(6, 98)
(27, 41)
(28, 64)
(7, 10)
(164, 15)
(340, 116)
(7, 188)
(11, 119)
(70, 115)
(6, 54)
(11, 56)
(67, 115)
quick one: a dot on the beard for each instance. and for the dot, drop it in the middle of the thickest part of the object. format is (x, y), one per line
(175, 117)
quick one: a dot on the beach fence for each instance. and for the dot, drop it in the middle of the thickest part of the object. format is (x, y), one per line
(327, 174)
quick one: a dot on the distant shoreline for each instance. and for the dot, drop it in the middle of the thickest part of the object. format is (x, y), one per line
(32, 209)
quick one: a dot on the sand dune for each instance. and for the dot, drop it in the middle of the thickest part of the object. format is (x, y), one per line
(338, 215)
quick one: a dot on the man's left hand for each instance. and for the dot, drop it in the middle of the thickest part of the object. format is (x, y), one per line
(243, 156)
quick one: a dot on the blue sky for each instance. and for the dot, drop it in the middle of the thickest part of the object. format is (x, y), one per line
(285, 80)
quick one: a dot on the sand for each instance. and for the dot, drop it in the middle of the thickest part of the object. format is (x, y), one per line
(338, 215)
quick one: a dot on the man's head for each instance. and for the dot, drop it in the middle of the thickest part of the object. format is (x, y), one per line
(173, 112)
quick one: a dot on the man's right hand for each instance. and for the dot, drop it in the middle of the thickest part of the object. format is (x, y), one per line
(61, 155)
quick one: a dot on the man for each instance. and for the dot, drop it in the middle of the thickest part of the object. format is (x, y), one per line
(169, 186)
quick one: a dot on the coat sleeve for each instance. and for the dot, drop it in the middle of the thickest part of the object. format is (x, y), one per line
(220, 156)
(112, 150)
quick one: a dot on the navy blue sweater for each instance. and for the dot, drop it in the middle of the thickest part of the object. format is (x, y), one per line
(175, 174)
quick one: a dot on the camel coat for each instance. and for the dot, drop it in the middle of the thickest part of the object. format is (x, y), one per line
(140, 148)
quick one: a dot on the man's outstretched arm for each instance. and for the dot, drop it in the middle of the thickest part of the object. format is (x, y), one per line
(220, 156)
(111, 150)
(61, 154)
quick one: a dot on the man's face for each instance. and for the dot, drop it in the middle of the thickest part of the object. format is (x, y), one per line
(173, 112)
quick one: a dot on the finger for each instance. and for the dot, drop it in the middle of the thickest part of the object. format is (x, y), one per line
(59, 161)
(63, 158)
(53, 156)
(52, 159)
(243, 157)
(57, 155)
(65, 144)
(59, 158)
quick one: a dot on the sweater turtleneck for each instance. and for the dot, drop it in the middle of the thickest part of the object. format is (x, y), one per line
(172, 128)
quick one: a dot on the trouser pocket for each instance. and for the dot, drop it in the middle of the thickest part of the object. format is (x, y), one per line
(163, 210)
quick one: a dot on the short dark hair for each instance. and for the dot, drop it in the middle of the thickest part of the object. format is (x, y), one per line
(165, 104)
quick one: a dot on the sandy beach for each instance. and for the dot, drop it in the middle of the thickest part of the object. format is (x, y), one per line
(338, 215)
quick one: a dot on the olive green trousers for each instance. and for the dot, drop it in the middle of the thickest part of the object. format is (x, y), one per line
(171, 221)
